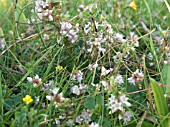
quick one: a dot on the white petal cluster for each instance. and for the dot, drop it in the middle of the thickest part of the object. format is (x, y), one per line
(117, 104)
(42, 10)
(94, 125)
(137, 76)
(85, 117)
(71, 32)
(36, 80)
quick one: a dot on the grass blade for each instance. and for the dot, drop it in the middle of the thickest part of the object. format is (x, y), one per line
(161, 104)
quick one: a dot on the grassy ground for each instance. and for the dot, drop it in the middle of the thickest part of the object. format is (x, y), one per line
(84, 63)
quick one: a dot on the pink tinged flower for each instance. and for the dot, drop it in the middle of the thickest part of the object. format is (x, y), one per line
(44, 4)
(60, 98)
(36, 81)
(78, 75)
(82, 86)
(132, 80)
(119, 37)
(136, 77)
(38, 7)
(124, 100)
(75, 90)
(134, 39)
(40, 15)
(72, 35)
(55, 91)
(65, 27)
(119, 79)
(48, 14)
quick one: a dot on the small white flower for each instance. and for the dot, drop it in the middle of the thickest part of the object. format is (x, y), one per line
(75, 89)
(116, 106)
(72, 35)
(103, 50)
(132, 80)
(119, 79)
(2, 43)
(79, 119)
(82, 86)
(134, 39)
(57, 121)
(87, 28)
(29, 79)
(48, 15)
(78, 75)
(124, 100)
(94, 125)
(105, 72)
(136, 77)
(65, 27)
(105, 84)
(95, 65)
(55, 91)
(49, 97)
(36, 81)
(126, 117)
(119, 37)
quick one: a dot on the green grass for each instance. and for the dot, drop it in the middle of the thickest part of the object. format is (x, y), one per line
(42, 49)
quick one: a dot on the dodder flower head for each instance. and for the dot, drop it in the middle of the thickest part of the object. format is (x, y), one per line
(36, 81)
(27, 99)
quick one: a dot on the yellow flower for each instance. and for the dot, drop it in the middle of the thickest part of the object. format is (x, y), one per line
(102, 17)
(58, 68)
(133, 5)
(27, 99)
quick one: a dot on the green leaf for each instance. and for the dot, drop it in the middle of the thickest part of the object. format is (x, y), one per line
(16, 98)
(99, 100)
(90, 102)
(8, 104)
(80, 43)
(161, 104)
(106, 123)
(147, 124)
(166, 77)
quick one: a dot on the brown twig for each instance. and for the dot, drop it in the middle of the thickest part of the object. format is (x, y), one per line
(13, 71)
(21, 40)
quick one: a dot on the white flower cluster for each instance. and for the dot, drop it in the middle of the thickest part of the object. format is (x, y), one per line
(71, 32)
(84, 117)
(117, 104)
(58, 97)
(126, 117)
(136, 77)
(36, 80)
(42, 10)
(78, 76)
(78, 89)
